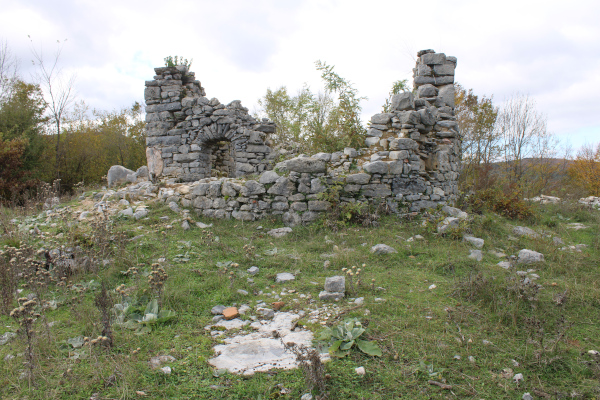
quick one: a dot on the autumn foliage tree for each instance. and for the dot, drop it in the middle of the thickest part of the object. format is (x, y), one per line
(584, 171)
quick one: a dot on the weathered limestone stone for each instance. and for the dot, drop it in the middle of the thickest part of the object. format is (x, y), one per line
(529, 257)
(382, 249)
(335, 284)
(117, 174)
(306, 164)
(403, 101)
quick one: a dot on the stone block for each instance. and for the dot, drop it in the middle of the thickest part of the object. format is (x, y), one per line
(359, 179)
(433, 59)
(403, 101)
(377, 167)
(306, 164)
(318, 205)
(403, 144)
(382, 119)
(335, 284)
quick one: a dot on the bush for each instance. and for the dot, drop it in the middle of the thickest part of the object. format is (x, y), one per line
(508, 202)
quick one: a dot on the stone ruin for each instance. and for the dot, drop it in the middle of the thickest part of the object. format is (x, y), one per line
(411, 158)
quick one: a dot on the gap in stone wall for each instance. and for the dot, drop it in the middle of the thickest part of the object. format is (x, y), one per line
(222, 159)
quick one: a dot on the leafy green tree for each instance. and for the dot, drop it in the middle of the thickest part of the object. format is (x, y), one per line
(345, 125)
(22, 117)
(327, 121)
(481, 141)
(397, 87)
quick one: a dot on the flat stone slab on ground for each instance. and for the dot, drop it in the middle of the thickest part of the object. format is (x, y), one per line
(524, 231)
(284, 277)
(260, 351)
(279, 232)
(476, 255)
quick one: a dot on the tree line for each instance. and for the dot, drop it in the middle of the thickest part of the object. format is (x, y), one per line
(505, 148)
(47, 133)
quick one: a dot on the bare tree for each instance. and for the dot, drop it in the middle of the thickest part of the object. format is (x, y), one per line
(59, 91)
(521, 126)
(9, 66)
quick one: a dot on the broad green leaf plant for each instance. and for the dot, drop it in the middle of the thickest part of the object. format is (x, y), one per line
(341, 338)
(132, 318)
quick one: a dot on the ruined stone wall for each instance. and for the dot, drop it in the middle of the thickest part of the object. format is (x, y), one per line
(186, 133)
(410, 161)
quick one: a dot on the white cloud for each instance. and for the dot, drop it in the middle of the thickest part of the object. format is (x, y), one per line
(550, 49)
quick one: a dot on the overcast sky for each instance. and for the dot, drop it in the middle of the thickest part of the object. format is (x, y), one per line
(547, 49)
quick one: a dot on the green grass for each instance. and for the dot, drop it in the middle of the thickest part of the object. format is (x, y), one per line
(443, 327)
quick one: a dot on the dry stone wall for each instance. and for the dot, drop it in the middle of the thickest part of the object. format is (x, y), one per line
(190, 137)
(410, 161)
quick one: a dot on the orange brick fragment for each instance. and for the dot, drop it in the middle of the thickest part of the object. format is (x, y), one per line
(231, 313)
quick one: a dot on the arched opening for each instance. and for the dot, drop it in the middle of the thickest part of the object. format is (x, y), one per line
(221, 158)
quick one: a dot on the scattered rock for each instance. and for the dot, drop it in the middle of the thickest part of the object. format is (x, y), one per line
(117, 174)
(166, 370)
(474, 241)
(277, 305)
(244, 309)
(140, 213)
(529, 257)
(265, 312)
(504, 264)
(382, 249)
(455, 212)
(518, 378)
(5, 338)
(543, 199)
(527, 396)
(447, 224)
(416, 237)
(335, 284)
(359, 301)
(360, 371)
(330, 296)
(231, 313)
(242, 292)
(156, 362)
(217, 310)
(128, 212)
(576, 226)
(185, 225)
(203, 226)
(279, 232)
(525, 231)
(476, 255)
(306, 396)
(253, 270)
(284, 277)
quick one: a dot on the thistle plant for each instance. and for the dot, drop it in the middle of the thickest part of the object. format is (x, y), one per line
(156, 280)
(26, 314)
(353, 276)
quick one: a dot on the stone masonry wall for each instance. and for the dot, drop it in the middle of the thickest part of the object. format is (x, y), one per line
(410, 161)
(185, 131)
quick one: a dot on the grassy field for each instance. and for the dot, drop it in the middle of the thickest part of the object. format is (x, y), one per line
(467, 324)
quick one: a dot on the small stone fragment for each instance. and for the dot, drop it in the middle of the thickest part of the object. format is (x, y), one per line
(217, 310)
(231, 313)
(277, 305)
(360, 371)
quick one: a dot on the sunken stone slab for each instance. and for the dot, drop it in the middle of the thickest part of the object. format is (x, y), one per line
(259, 351)
(330, 296)
(284, 277)
(474, 241)
(279, 232)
